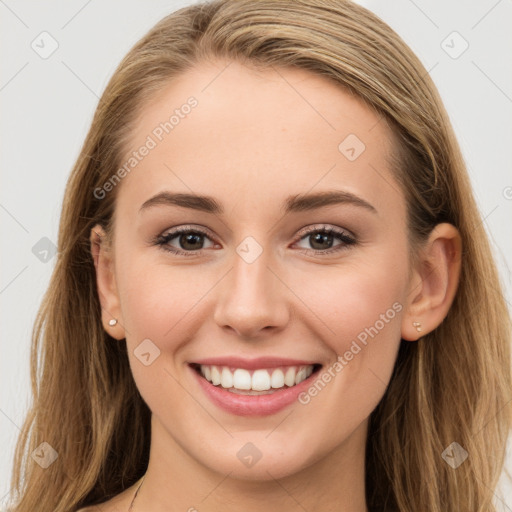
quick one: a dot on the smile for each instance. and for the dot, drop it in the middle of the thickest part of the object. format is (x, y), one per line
(259, 380)
(254, 392)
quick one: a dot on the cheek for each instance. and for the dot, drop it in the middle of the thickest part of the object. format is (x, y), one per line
(362, 315)
(157, 304)
(350, 300)
(360, 308)
(156, 298)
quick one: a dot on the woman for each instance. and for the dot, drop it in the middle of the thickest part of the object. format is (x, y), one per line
(270, 201)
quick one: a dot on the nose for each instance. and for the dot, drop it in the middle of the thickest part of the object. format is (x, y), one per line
(252, 298)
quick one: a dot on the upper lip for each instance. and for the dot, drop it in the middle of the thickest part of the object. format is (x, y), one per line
(252, 364)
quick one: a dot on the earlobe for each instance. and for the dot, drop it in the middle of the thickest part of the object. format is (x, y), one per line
(106, 283)
(434, 282)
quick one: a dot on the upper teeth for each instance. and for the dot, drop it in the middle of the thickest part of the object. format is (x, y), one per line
(260, 380)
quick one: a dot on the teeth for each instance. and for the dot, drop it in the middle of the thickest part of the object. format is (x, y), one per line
(277, 380)
(215, 376)
(301, 375)
(226, 378)
(259, 380)
(241, 379)
(289, 378)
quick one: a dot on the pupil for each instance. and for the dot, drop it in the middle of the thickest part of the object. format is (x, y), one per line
(321, 237)
(185, 239)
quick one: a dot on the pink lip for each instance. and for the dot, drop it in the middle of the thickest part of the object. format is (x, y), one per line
(252, 405)
(253, 364)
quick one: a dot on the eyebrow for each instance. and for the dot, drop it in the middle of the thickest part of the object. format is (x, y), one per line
(295, 203)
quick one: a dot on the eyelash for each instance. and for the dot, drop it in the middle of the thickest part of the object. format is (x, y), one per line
(343, 236)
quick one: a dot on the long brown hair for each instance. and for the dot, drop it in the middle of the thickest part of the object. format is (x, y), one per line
(450, 386)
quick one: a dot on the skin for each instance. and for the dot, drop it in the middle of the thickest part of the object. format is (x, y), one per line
(255, 138)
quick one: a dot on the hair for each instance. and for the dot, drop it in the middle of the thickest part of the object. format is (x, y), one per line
(451, 385)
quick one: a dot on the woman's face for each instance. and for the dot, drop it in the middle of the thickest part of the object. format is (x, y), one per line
(266, 270)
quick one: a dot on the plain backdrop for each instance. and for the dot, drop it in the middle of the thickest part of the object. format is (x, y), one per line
(48, 101)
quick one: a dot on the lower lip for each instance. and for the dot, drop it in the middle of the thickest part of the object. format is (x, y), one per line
(252, 405)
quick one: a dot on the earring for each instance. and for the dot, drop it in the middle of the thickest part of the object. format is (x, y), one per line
(417, 325)
(112, 322)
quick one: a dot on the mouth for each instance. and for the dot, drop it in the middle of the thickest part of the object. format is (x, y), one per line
(255, 381)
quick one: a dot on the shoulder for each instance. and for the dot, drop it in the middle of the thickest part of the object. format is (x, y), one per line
(108, 506)
(119, 503)
(102, 507)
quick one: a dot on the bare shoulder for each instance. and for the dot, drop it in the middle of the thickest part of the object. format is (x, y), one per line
(102, 507)
(119, 503)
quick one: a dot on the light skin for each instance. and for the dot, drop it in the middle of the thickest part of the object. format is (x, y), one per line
(255, 138)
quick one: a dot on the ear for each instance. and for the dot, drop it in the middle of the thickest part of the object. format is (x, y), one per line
(106, 283)
(433, 283)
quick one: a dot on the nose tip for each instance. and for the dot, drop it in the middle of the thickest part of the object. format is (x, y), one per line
(250, 326)
(251, 300)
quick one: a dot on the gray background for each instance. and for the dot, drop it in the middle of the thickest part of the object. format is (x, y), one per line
(48, 103)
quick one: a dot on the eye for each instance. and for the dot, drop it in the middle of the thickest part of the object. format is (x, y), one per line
(321, 238)
(188, 238)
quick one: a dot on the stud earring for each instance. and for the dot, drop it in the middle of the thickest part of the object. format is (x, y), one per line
(112, 322)
(417, 325)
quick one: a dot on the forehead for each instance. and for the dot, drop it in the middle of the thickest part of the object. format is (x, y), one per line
(253, 135)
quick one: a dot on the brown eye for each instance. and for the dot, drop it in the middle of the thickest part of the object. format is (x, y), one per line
(183, 241)
(191, 241)
(323, 240)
